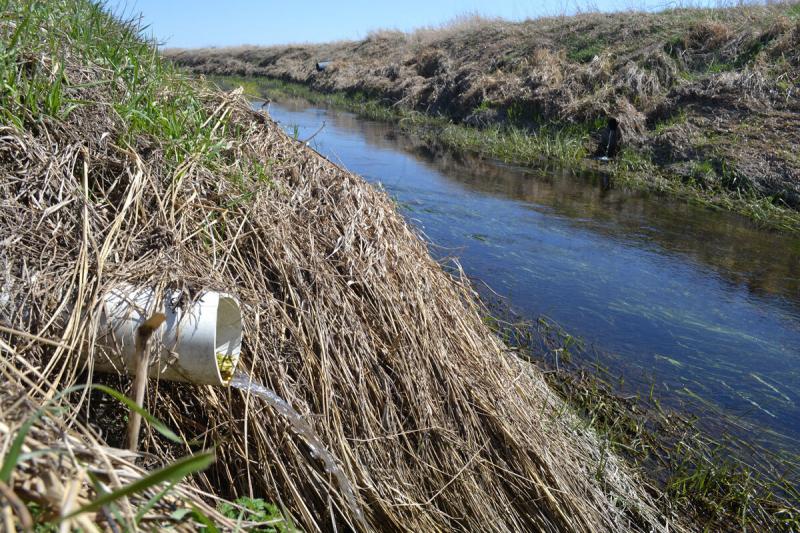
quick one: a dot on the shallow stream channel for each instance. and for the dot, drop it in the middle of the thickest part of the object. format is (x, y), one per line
(692, 302)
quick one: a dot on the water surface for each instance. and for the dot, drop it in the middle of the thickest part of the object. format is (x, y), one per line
(702, 301)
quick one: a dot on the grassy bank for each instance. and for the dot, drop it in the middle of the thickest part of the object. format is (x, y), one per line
(117, 170)
(719, 478)
(705, 99)
(566, 145)
(511, 143)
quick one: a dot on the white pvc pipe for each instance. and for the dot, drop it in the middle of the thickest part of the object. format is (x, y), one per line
(200, 344)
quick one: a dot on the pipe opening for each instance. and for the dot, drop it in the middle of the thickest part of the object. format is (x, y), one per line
(228, 343)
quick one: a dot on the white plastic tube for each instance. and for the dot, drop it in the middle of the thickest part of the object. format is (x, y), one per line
(199, 343)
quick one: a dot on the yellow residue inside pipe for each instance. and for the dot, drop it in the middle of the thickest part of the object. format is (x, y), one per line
(226, 366)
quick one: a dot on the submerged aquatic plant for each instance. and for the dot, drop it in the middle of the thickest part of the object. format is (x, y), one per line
(720, 479)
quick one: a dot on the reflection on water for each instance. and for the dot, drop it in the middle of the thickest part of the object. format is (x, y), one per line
(701, 300)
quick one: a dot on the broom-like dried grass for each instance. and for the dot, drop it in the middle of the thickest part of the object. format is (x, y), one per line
(347, 317)
(63, 463)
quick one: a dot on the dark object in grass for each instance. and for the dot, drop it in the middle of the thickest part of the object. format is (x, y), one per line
(610, 140)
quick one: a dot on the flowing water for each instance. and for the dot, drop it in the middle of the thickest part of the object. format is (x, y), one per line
(700, 303)
(302, 429)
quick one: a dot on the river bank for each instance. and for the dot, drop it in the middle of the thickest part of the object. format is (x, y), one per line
(566, 146)
(705, 99)
(655, 301)
(119, 170)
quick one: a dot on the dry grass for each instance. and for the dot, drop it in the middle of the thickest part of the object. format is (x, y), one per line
(348, 318)
(720, 68)
(62, 458)
(138, 176)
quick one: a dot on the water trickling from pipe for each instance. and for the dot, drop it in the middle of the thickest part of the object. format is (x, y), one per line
(302, 429)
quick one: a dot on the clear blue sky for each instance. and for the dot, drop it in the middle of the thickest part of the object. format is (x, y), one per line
(193, 23)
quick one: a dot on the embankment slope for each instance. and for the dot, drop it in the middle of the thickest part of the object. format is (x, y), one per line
(709, 97)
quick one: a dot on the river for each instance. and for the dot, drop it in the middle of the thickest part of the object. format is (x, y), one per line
(697, 301)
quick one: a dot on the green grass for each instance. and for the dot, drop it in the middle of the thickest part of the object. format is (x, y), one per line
(703, 170)
(163, 479)
(150, 96)
(674, 120)
(635, 171)
(365, 107)
(268, 516)
(70, 63)
(716, 67)
(510, 143)
(582, 49)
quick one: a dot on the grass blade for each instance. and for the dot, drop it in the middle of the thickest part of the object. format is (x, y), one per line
(13, 455)
(171, 473)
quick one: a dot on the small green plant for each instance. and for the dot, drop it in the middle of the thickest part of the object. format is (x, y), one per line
(675, 119)
(703, 171)
(733, 179)
(630, 160)
(674, 45)
(516, 113)
(485, 105)
(41, 522)
(266, 517)
(716, 67)
(582, 49)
